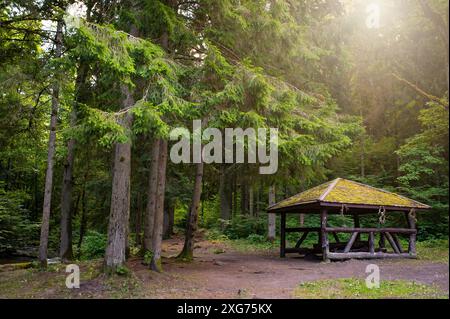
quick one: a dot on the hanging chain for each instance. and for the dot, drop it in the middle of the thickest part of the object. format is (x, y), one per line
(382, 214)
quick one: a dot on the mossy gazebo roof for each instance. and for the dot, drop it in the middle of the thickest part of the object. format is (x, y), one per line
(339, 193)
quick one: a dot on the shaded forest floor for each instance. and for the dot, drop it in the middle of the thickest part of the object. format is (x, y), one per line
(220, 270)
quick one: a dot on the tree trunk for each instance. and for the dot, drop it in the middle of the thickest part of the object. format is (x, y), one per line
(171, 210)
(138, 220)
(83, 221)
(188, 250)
(250, 201)
(271, 217)
(43, 245)
(234, 197)
(115, 255)
(149, 218)
(244, 198)
(159, 211)
(225, 209)
(258, 201)
(65, 249)
(168, 220)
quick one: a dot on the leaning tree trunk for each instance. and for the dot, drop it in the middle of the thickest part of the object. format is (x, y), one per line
(149, 217)
(115, 255)
(159, 211)
(188, 250)
(43, 245)
(65, 248)
(271, 217)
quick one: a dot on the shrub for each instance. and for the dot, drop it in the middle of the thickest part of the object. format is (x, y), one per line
(16, 229)
(244, 226)
(94, 245)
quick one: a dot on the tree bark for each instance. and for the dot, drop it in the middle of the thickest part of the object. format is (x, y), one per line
(159, 211)
(43, 245)
(138, 220)
(188, 250)
(65, 249)
(171, 210)
(115, 255)
(251, 201)
(271, 217)
(168, 220)
(225, 207)
(83, 221)
(149, 218)
(244, 198)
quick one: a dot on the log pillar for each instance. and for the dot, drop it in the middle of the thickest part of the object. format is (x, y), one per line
(412, 237)
(357, 224)
(283, 235)
(324, 236)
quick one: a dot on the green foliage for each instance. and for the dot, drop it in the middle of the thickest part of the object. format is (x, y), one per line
(122, 271)
(16, 229)
(148, 256)
(242, 226)
(93, 246)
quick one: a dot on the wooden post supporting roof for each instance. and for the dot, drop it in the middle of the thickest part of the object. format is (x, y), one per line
(283, 235)
(324, 235)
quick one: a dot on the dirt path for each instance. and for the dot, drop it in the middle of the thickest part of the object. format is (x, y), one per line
(254, 275)
(230, 274)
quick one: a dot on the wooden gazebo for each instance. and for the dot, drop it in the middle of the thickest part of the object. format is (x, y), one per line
(350, 198)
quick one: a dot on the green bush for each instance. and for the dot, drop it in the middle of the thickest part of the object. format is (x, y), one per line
(16, 229)
(244, 226)
(94, 245)
(216, 234)
(256, 239)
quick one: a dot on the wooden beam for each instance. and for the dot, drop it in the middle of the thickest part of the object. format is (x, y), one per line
(302, 229)
(324, 235)
(371, 243)
(283, 236)
(382, 243)
(356, 224)
(336, 238)
(397, 242)
(412, 236)
(392, 242)
(350, 242)
(367, 255)
(368, 230)
(300, 241)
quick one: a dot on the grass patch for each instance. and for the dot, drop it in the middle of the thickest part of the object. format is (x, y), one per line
(354, 288)
(433, 250)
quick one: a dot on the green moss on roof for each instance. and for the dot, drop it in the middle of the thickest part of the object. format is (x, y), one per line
(344, 191)
(307, 196)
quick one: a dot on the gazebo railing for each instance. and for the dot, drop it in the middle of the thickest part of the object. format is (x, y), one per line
(343, 250)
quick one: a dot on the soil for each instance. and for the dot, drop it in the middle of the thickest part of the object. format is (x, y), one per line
(217, 271)
(265, 275)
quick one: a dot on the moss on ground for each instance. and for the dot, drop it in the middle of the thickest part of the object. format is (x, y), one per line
(353, 288)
